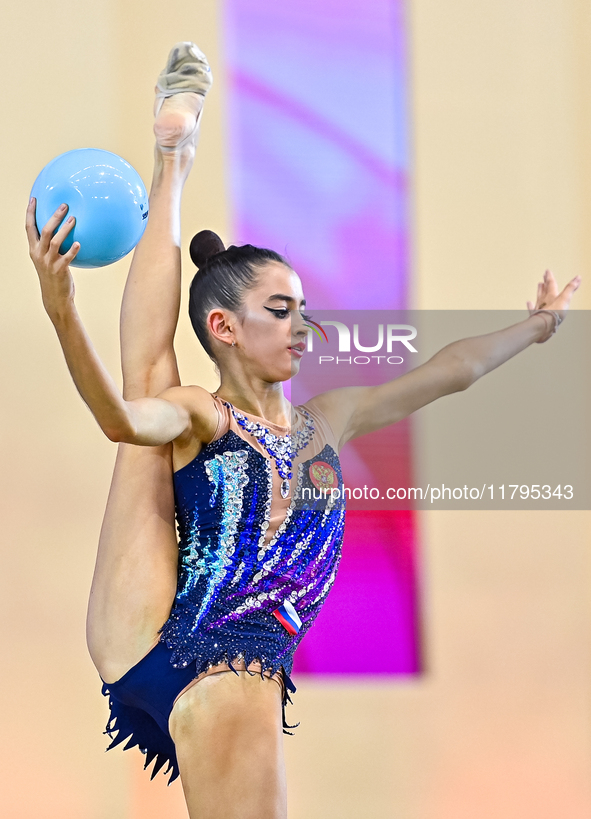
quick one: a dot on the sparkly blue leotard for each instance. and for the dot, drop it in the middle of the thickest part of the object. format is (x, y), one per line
(247, 554)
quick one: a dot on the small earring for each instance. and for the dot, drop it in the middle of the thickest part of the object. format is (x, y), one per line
(233, 343)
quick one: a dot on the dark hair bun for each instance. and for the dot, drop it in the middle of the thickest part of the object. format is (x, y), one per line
(204, 245)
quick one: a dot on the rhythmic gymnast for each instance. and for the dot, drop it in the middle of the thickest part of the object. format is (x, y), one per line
(194, 640)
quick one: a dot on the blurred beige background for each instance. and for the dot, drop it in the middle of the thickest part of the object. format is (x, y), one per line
(500, 724)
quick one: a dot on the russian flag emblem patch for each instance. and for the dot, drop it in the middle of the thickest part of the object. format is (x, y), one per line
(288, 617)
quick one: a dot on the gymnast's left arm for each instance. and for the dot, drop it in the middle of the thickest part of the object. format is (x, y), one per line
(355, 411)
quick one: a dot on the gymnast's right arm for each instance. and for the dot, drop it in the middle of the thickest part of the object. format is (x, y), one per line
(183, 413)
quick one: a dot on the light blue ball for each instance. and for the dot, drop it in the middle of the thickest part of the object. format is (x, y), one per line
(104, 193)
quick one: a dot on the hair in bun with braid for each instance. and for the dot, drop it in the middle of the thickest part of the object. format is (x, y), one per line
(223, 276)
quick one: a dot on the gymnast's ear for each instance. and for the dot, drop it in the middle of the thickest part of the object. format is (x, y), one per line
(204, 245)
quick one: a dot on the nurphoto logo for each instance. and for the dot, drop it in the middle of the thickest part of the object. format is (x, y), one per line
(387, 335)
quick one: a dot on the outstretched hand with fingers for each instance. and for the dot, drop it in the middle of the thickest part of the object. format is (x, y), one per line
(549, 298)
(57, 285)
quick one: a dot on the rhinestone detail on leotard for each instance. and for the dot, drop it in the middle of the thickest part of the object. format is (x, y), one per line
(231, 578)
(279, 447)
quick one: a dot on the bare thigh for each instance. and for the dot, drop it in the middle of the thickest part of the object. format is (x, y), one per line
(136, 570)
(229, 742)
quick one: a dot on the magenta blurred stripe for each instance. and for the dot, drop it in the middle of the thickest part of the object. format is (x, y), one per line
(319, 171)
(308, 118)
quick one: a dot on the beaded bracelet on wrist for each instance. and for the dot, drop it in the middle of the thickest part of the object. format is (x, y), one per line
(557, 318)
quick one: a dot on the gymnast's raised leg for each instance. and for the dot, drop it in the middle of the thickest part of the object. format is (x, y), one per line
(135, 577)
(227, 728)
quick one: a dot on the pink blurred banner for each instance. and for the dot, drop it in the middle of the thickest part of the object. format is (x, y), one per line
(318, 172)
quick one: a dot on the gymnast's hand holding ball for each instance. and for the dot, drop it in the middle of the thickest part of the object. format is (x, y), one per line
(105, 195)
(55, 278)
(88, 208)
(57, 292)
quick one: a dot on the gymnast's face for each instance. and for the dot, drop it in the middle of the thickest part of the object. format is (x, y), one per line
(269, 330)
